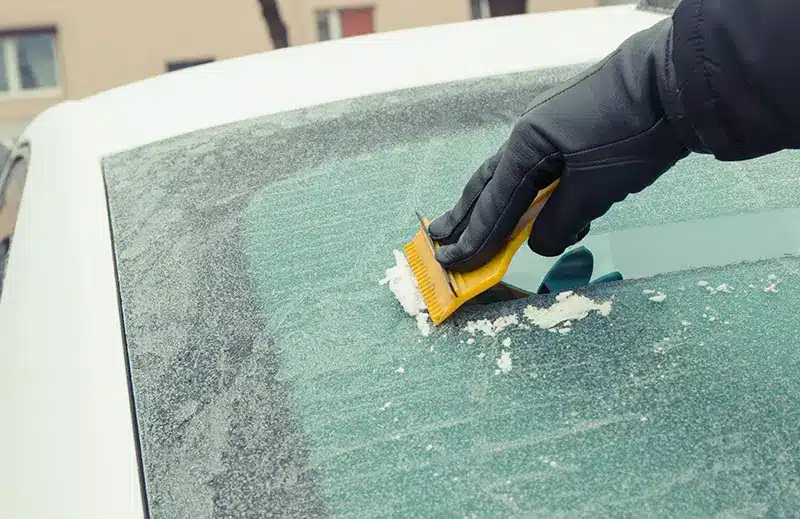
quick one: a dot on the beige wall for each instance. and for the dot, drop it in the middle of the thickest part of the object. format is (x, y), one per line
(106, 43)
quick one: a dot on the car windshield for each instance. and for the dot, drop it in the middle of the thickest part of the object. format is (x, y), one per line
(273, 374)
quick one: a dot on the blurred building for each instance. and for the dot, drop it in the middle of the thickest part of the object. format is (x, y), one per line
(51, 50)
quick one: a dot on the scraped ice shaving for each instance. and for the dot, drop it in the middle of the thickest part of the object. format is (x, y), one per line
(568, 306)
(506, 342)
(702, 283)
(724, 288)
(504, 362)
(491, 328)
(773, 288)
(658, 298)
(404, 285)
(648, 291)
(423, 324)
(565, 329)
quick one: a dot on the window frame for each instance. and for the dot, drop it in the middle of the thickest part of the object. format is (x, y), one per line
(480, 9)
(8, 53)
(182, 64)
(332, 17)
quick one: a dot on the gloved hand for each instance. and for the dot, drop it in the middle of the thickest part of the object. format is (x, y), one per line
(604, 133)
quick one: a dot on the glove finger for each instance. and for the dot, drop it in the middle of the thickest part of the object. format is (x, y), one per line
(448, 227)
(562, 221)
(498, 210)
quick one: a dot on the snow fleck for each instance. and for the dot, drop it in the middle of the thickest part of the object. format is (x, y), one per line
(491, 328)
(644, 418)
(724, 288)
(404, 285)
(751, 286)
(567, 324)
(702, 283)
(429, 447)
(712, 318)
(772, 277)
(708, 308)
(726, 322)
(396, 419)
(773, 288)
(471, 341)
(387, 405)
(659, 298)
(504, 362)
(648, 291)
(401, 369)
(481, 355)
(553, 463)
(568, 306)
(685, 323)
(423, 325)
(506, 342)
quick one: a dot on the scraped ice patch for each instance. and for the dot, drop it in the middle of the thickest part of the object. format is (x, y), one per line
(504, 362)
(404, 285)
(772, 288)
(471, 341)
(423, 325)
(648, 291)
(724, 288)
(491, 328)
(568, 307)
(658, 298)
(702, 283)
(506, 342)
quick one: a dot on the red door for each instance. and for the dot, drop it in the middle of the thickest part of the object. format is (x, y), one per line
(356, 22)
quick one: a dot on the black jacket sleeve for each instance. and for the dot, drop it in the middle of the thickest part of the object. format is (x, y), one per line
(737, 70)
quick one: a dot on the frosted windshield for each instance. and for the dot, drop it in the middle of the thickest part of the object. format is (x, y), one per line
(273, 374)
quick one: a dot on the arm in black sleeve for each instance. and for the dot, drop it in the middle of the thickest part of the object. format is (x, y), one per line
(737, 68)
(719, 77)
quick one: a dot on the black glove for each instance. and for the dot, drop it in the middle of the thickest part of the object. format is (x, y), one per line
(605, 134)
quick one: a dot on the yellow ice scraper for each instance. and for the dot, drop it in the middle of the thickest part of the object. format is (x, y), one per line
(445, 291)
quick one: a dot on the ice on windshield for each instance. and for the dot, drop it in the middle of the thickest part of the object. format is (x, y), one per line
(272, 373)
(527, 405)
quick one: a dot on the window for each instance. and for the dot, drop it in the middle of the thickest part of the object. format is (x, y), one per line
(10, 195)
(28, 62)
(491, 8)
(342, 23)
(250, 345)
(172, 66)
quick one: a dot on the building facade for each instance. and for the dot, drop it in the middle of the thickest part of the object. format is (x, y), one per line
(52, 50)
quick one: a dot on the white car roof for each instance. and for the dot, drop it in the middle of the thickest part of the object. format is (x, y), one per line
(271, 82)
(70, 450)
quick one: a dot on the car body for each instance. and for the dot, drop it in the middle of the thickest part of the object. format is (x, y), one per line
(192, 325)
